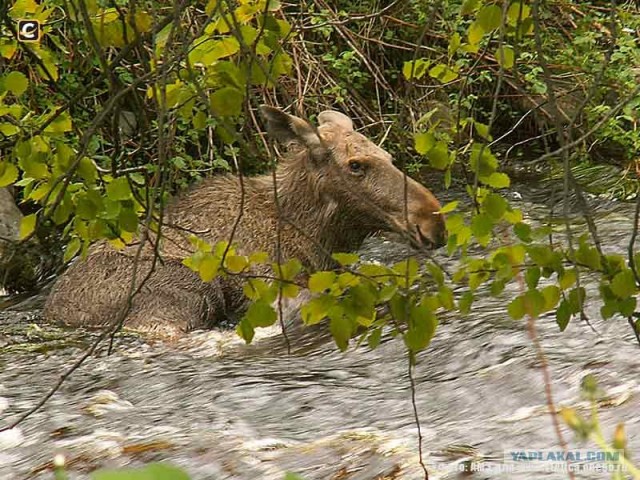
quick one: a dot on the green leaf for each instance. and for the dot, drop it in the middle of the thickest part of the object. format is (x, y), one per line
(288, 270)
(128, 220)
(61, 124)
(609, 309)
(454, 223)
(505, 57)
(119, 189)
(513, 215)
(522, 231)
(465, 302)
(199, 120)
(399, 306)
(347, 279)
(209, 267)
(526, 27)
(449, 207)
(542, 255)
(445, 297)
(34, 168)
(551, 295)
(407, 269)
(482, 130)
(289, 290)
(481, 225)
(576, 299)
(475, 33)
(517, 10)
(292, 476)
(516, 308)
(438, 156)
(627, 306)
(477, 278)
(563, 315)
(534, 303)
(482, 161)
(63, 210)
(317, 309)
(495, 206)
(497, 288)
(567, 278)
(258, 289)
(489, 17)
(226, 102)
(454, 44)
(345, 259)
(341, 329)
(227, 74)
(261, 314)
(379, 273)
(259, 257)
(469, 6)
(8, 129)
(436, 272)
(27, 225)
(72, 248)
(532, 277)
(415, 69)
(245, 330)
(623, 284)
(153, 471)
(8, 48)
(614, 263)
(49, 62)
(87, 170)
(281, 64)
(422, 327)
(373, 340)
(424, 141)
(497, 180)
(360, 303)
(16, 83)
(218, 49)
(212, 6)
(588, 255)
(236, 263)
(443, 72)
(8, 174)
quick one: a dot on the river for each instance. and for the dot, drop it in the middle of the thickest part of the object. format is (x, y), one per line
(223, 410)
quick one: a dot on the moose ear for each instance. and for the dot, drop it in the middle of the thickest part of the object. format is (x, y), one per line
(336, 118)
(287, 128)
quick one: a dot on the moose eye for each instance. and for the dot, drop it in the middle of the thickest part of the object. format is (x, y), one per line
(356, 167)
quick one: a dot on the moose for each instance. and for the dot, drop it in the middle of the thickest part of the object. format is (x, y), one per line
(333, 189)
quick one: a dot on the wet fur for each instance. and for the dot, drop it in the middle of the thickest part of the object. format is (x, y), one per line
(322, 213)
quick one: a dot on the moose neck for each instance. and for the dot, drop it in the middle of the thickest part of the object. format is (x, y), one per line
(325, 225)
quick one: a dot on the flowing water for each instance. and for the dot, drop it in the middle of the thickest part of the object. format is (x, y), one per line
(222, 410)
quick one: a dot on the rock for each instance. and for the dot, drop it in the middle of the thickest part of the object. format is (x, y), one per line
(10, 218)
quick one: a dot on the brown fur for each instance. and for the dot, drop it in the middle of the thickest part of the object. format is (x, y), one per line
(327, 206)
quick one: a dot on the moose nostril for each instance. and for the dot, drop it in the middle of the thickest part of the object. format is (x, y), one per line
(423, 239)
(436, 240)
(441, 237)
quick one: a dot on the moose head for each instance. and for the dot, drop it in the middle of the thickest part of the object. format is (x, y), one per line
(359, 179)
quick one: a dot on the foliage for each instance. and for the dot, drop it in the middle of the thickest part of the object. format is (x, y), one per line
(182, 82)
(590, 428)
(151, 471)
(72, 163)
(124, 103)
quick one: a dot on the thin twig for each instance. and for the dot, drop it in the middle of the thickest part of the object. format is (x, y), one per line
(416, 417)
